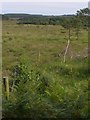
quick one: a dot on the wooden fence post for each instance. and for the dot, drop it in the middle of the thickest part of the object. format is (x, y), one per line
(6, 87)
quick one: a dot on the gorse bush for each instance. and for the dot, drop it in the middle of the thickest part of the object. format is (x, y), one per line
(23, 74)
(35, 94)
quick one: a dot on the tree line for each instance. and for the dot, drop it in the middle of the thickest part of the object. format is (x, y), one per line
(80, 19)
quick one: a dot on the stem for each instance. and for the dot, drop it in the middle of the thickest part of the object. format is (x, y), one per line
(39, 56)
(66, 51)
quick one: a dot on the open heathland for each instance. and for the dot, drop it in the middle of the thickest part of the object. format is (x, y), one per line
(46, 81)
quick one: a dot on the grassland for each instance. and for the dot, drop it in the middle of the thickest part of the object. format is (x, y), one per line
(42, 47)
(27, 41)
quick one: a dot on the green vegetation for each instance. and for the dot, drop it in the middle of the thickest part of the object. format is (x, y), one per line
(42, 85)
(39, 94)
(81, 17)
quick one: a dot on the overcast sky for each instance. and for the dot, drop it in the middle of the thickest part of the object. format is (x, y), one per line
(45, 8)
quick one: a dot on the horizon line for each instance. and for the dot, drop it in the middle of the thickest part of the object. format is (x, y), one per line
(38, 13)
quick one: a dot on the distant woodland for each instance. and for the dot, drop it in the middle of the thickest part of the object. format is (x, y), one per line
(80, 18)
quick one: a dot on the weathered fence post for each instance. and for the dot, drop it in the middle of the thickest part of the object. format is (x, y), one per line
(6, 87)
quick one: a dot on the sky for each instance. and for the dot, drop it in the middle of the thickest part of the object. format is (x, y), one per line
(44, 0)
(44, 8)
